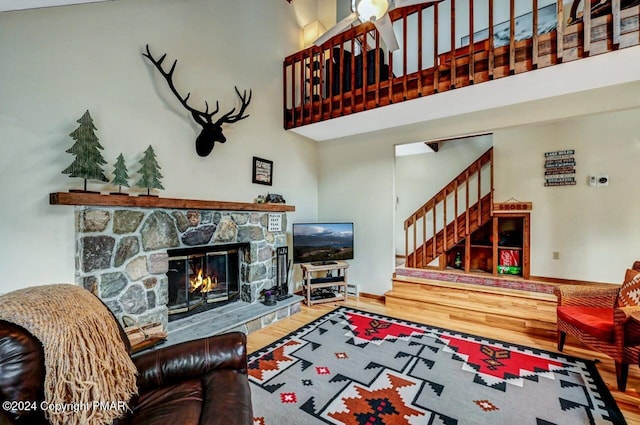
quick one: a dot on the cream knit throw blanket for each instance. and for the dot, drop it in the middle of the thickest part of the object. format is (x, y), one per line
(85, 359)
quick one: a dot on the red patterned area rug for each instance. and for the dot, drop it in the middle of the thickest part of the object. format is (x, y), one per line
(358, 368)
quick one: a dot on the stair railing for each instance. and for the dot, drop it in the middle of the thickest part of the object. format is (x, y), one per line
(443, 46)
(443, 223)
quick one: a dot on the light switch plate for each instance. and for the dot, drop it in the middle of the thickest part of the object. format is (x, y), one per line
(603, 180)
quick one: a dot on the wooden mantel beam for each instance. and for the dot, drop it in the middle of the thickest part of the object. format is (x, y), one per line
(96, 199)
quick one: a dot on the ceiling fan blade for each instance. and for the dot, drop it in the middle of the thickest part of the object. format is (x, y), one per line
(337, 29)
(385, 28)
(405, 3)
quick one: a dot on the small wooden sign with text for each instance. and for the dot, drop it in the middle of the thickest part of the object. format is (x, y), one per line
(512, 206)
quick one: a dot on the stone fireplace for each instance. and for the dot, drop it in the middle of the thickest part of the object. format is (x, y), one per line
(129, 255)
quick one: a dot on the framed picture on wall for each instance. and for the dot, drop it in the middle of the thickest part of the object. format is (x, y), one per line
(262, 171)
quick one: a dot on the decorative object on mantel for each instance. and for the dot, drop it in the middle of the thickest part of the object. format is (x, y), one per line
(120, 176)
(274, 198)
(270, 198)
(559, 168)
(89, 161)
(211, 131)
(149, 172)
(262, 171)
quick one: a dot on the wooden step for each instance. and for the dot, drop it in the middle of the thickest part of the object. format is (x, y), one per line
(529, 312)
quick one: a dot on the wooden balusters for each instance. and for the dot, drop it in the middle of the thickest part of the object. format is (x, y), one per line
(377, 71)
(439, 201)
(455, 210)
(420, 54)
(424, 235)
(586, 20)
(444, 219)
(352, 100)
(405, 48)
(434, 238)
(512, 38)
(316, 87)
(303, 89)
(534, 52)
(467, 219)
(453, 44)
(559, 32)
(615, 11)
(491, 47)
(436, 58)
(472, 60)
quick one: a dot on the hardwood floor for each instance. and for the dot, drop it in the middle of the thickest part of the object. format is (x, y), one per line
(629, 402)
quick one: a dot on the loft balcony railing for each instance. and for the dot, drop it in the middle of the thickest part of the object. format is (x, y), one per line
(444, 46)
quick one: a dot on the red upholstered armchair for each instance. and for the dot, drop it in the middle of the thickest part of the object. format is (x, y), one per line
(600, 318)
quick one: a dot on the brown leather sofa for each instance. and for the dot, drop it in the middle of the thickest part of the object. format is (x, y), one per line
(196, 382)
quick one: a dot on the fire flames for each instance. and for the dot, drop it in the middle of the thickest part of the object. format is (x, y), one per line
(203, 284)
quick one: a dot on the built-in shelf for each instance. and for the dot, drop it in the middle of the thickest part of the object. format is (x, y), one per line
(97, 199)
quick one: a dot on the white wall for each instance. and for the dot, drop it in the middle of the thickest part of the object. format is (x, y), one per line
(58, 62)
(595, 229)
(356, 184)
(356, 174)
(419, 177)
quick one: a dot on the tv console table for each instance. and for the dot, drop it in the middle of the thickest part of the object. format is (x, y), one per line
(315, 283)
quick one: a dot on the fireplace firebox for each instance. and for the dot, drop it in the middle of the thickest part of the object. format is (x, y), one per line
(201, 277)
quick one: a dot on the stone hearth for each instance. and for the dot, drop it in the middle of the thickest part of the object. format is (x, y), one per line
(239, 316)
(121, 252)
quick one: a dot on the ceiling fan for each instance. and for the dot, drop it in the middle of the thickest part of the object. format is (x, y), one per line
(376, 11)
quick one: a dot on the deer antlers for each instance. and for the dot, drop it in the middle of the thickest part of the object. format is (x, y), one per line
(211, 131)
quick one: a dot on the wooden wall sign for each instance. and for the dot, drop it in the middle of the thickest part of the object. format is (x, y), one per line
(512, 206)
(560, 168)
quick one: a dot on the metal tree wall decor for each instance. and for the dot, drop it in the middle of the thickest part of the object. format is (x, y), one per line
(211, 131)
(120, 174)
(89, 161)
(149, 172)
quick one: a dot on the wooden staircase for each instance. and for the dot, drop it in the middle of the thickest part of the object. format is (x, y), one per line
(462, 207)
(445, 219)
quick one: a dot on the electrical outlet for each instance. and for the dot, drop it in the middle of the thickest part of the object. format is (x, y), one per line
(556, 255)
(593, 181)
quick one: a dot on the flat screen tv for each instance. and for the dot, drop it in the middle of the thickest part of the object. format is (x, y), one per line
(322, 243)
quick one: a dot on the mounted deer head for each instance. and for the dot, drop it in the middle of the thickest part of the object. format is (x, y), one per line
(211, 131)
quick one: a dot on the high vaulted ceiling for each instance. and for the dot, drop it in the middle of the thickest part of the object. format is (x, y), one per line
(6, 5)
